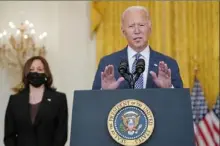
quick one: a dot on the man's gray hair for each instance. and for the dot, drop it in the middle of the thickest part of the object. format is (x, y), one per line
(134, 8)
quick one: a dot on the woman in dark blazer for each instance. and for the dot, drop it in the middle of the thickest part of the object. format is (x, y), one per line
(37, 115)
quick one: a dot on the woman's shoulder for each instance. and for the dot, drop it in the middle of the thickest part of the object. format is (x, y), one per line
(20, 92)
(16, 95)
(57, 93)
(60, 97)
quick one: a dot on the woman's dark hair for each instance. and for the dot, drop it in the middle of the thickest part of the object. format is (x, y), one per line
(26, 70)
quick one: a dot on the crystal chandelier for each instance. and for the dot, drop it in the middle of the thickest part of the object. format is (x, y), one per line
(18, 44)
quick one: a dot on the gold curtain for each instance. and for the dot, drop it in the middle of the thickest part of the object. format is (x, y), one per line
(186, 31)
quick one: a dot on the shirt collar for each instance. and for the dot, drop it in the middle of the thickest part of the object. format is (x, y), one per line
(144, 53)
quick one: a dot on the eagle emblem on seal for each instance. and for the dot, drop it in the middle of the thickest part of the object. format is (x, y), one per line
(130, 123)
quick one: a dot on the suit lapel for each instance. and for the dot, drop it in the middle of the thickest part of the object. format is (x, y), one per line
(25, 105)
(123, 56)
(43, 106)
(153, 66)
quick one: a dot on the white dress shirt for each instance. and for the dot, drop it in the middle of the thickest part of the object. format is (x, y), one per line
(145, 54)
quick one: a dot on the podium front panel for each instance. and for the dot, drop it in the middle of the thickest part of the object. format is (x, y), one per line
(171, 109)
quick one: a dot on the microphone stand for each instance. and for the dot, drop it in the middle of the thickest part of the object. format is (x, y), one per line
(134, 78)
(132, 82)
(129, 78)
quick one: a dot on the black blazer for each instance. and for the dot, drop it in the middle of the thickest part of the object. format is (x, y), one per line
(51, 122)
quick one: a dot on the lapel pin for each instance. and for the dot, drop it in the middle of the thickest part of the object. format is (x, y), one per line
(49, 99)
(155, 64)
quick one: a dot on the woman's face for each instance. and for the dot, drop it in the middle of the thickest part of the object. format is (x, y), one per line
(37, 66)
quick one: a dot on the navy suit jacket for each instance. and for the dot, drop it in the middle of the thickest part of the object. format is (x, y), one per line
(155, 57)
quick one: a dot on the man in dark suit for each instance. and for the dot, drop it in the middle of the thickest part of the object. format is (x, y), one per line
(161, 71)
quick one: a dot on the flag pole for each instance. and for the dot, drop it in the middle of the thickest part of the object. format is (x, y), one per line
(196, 67)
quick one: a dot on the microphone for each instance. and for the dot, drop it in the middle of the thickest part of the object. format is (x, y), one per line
(140, 67)
(123, 70)
(123, 67)
(129, 77)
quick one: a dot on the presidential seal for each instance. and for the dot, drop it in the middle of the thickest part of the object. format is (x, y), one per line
(130, 122)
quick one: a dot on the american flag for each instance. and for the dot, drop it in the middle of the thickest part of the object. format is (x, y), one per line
(203, 123)
(215, 116)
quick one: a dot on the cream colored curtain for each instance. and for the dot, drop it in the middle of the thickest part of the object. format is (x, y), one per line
(186, 31)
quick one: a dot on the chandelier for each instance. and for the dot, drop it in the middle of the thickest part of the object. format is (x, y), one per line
(19, 43)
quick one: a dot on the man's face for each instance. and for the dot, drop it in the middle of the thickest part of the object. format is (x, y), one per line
(136, 27)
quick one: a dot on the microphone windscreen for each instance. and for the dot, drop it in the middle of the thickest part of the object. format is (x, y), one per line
(140, 66)
(123, 66)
